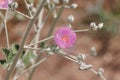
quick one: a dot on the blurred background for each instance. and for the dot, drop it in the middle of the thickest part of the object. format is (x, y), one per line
(106, 41)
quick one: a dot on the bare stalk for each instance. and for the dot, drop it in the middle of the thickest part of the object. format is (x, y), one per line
(83, 30)
(41, 41)
(95, 72)
(39, 28)
(5, 26)
(24, 15)
(27, 5)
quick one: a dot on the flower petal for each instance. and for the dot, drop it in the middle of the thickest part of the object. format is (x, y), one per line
(68, 35)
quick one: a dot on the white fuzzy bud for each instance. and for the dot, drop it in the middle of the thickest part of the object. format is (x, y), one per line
(50, 53)
(93, 51)
(74, 5)
(19, 64)
(92, 24)
(31, 8)
(84, 66)
(66, 1)
(89, 66)
(81, 57)
(13, 5)
(100, 26)
(71, 18)
(95, 27)
(32, 60)
(100, 71)
(56, 1)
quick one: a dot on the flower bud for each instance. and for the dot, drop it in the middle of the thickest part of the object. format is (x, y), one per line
(100, 26)
(66, 1)
(13, 5)
(71, 18)
(74, 5)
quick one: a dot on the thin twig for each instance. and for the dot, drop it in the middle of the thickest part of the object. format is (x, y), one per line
(27, 5)
(24, 40)
(41, 41)
(39, 29)
(68, 56)
(5, 26)
(82, 30)
(102, 77)
(6, 30)
(24, 15)
(25, 47)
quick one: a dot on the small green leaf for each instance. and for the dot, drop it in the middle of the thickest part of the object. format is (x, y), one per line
(42, 45)
(6, 51)
(53, 47)
(9, 54)
(2, 62)
(28, 58)
(16, 46)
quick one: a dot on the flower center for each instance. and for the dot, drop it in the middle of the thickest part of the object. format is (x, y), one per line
(2, 1)
(65, 39)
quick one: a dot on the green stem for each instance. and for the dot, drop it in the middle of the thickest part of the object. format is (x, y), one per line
(31, 23)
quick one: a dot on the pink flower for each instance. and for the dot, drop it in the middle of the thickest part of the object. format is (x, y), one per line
(65, 37)
(4, 4)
